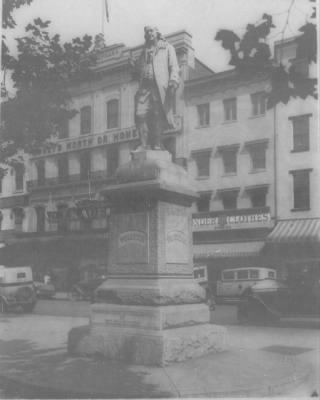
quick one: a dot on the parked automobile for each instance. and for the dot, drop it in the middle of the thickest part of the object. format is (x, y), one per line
(235, 281)
(17, 289)
(44, 290)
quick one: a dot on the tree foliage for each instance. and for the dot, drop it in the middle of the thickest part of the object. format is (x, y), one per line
(251, 54)
(42, 71)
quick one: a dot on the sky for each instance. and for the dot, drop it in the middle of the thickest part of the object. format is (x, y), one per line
(201, 18)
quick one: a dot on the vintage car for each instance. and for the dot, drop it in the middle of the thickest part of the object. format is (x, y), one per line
(17, 289)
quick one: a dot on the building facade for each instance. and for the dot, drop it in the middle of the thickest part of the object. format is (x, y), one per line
(256, 170)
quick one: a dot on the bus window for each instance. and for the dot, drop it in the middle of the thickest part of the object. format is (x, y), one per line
(271, 274)
(228, 275)
(243, 274)
(254, 274)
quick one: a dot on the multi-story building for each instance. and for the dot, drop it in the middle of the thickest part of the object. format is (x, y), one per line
(67, 215)
(257, 172)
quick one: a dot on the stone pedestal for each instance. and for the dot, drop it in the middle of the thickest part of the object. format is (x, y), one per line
(150, 311)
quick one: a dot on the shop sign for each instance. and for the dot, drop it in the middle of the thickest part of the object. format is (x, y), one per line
(77, 213)
(92, 141)
(223, 221)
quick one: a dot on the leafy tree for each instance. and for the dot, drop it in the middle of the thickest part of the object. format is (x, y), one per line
(251, 54)
(42, 72)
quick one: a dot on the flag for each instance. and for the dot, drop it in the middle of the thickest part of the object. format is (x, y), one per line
(107, 9)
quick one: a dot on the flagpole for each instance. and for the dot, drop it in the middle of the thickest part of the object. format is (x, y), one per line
(102, 16)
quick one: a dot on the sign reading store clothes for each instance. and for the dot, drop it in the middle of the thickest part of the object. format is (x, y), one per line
(235, 219)
(90, 141)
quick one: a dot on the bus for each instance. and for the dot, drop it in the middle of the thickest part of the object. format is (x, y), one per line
(235, 280)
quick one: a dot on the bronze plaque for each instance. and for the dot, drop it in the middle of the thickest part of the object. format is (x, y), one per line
(177, 249)
(133, 238)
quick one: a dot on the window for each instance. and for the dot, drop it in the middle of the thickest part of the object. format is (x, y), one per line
(203, 114)
(258, 197)
(271, 274)
(229, 162)
(301, 189)
(85, 120)
(203, 203)
(113, 114)
(228, 275)
(63, 169)
(40, 172)
(40, 219)
(229, 198)
(243, 274)
(85, 165)
(230, 109)
(259, 103)
(19, 173)
(18, 214)
(202, 159)
(63, 218)
(112, 159)
(254, 274)
(300, 127)
(257, 153)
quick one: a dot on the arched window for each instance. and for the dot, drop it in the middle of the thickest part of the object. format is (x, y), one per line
(113, 114)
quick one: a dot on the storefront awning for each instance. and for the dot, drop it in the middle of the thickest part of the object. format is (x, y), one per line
(220, 250)
(295, 231)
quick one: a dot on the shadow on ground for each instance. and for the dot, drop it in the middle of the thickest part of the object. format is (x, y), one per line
(30, 372)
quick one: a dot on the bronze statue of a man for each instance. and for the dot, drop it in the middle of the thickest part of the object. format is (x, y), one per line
(158, 72)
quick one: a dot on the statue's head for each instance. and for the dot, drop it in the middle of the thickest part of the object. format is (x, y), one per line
(151, 34)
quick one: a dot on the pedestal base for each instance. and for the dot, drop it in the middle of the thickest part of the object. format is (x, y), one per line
(147, 347)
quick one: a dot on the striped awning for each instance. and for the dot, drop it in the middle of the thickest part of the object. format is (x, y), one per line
(220, 250)
(296, 231)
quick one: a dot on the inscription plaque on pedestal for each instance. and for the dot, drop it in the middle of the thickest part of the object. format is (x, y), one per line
(177, 250)
(133, 233)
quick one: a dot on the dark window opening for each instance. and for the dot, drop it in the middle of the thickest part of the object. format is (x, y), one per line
(203, 203)
(113, 114)
(259, 103)
(112, 159)
(258, 197)
(63, 222)
(301, 189)
(300, 126)
(41, 218)
(230, 109)
(229, 199)
(229, 161)
(203, 114)
(85, 165)
(85, 120)
(258, 157)
(203, 164)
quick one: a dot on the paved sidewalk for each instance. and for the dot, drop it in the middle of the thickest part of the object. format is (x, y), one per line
(34, 363)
